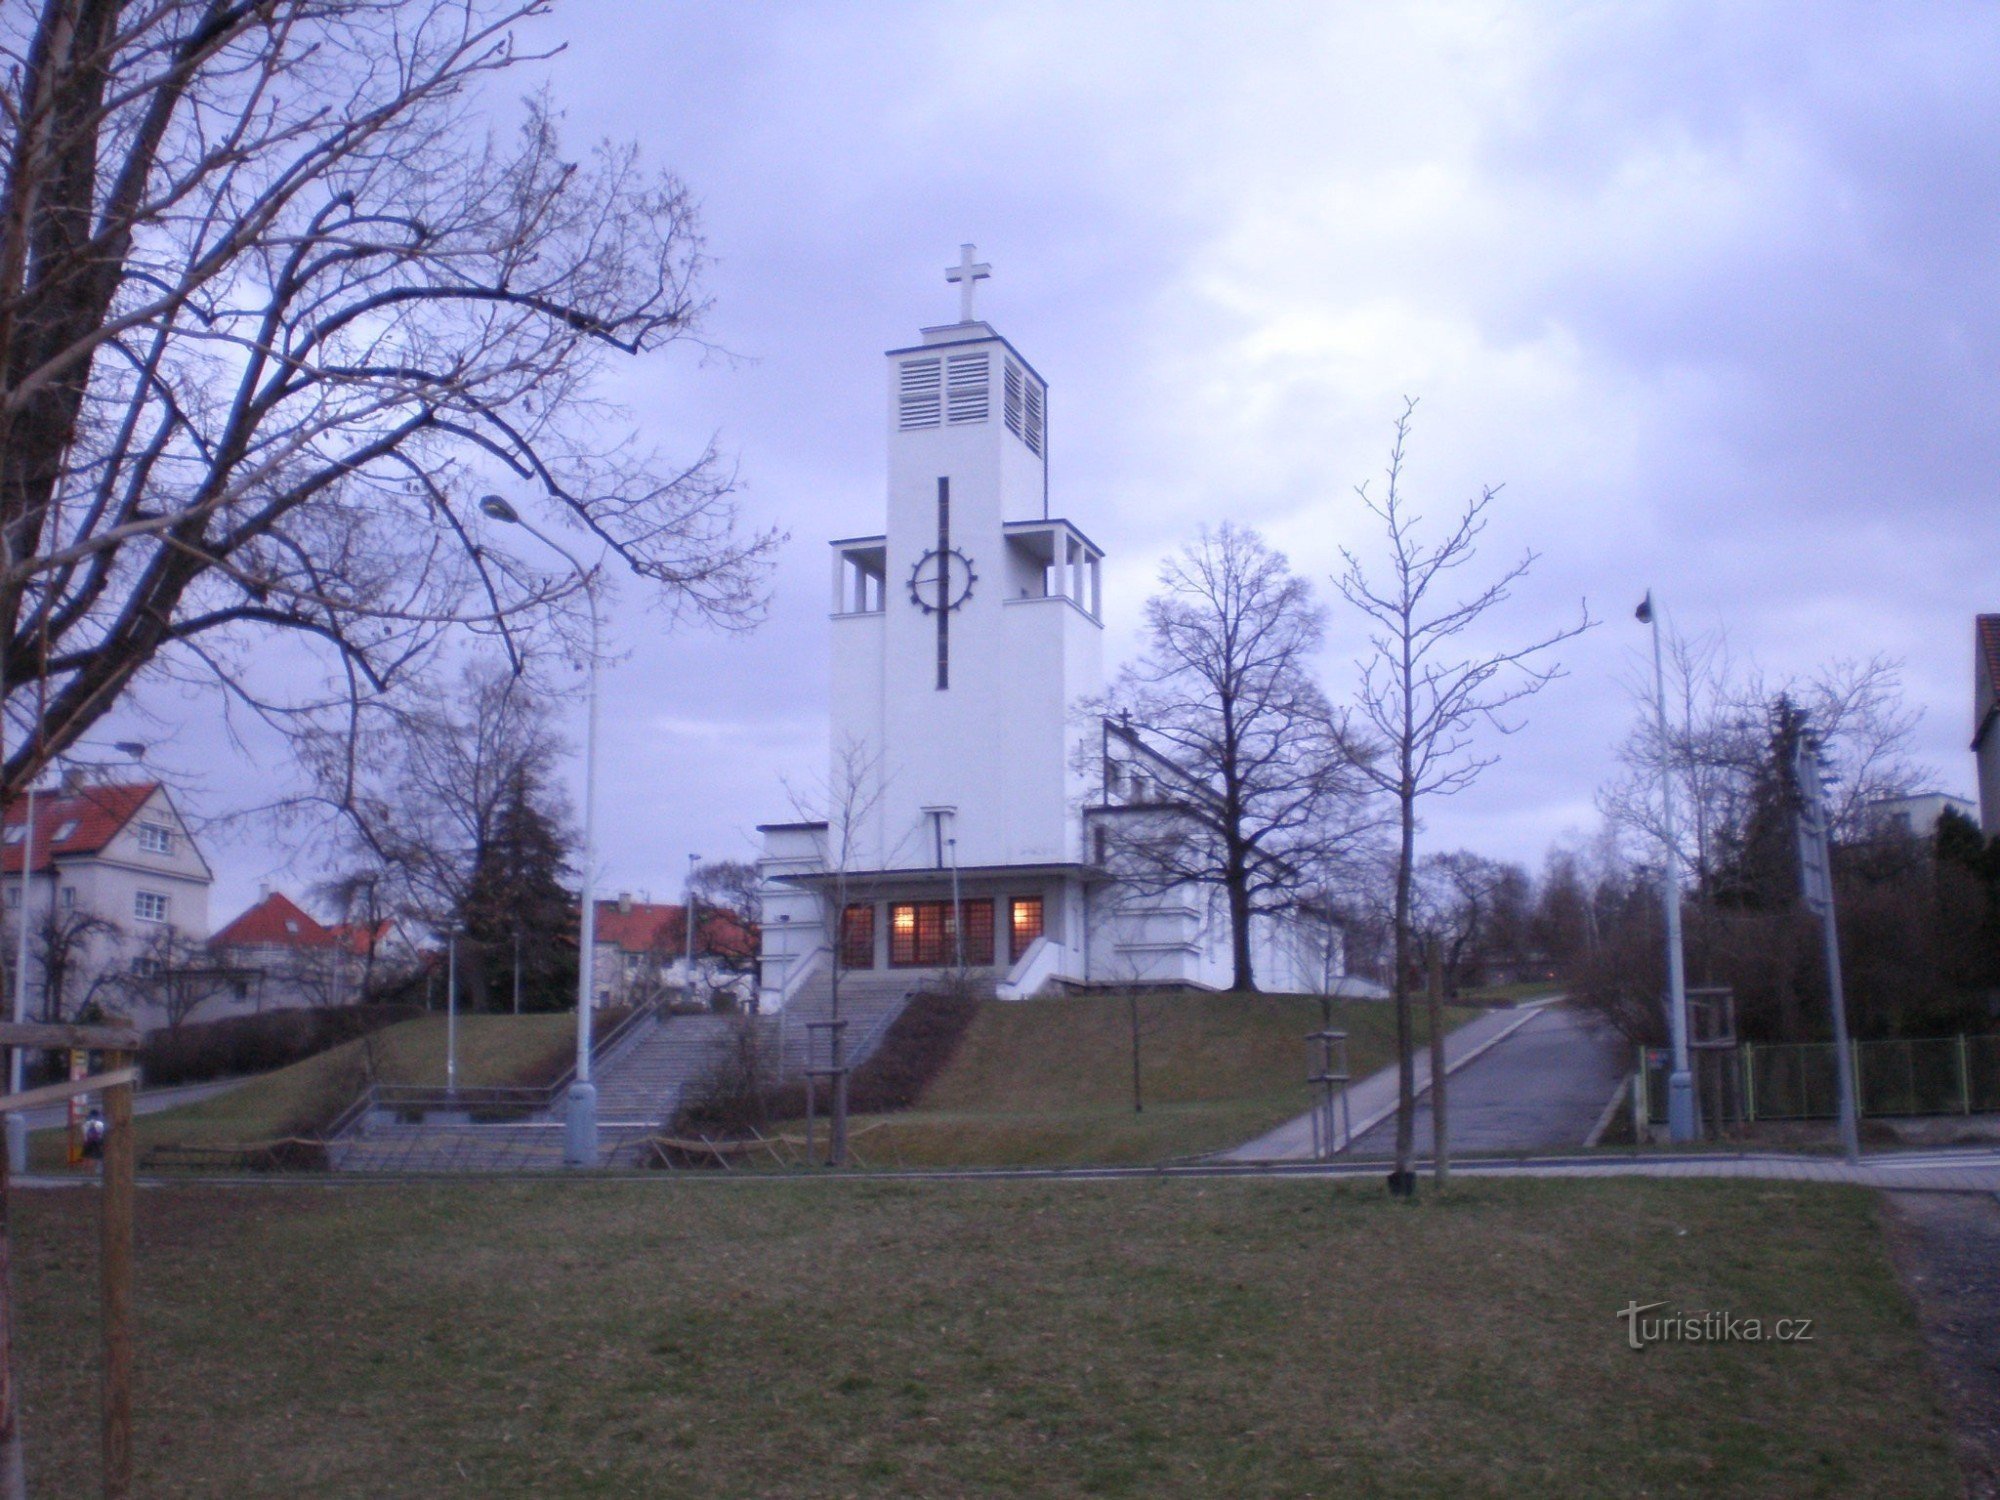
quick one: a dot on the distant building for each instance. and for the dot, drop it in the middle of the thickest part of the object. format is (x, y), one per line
(116, 887)
(642, 952)
(284, 958)
(1917, 816)
(1986, 719)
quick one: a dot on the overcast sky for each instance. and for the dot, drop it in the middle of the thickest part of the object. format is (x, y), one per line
(1710, 289)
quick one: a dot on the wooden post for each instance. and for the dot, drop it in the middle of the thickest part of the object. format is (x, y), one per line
(1964, 1078)
(1440, 1137)
(120, 1159)
(13, 1468)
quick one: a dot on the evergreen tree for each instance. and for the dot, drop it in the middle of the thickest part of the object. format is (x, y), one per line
(517, 900)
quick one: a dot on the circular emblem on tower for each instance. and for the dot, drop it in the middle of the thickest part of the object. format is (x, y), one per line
(942, 580)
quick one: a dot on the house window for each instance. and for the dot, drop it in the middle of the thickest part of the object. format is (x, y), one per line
(1024, 924)
(155, 838)
(857, 936)
(69, 898)
(149, 906)
(18, 832)
(921, 935)
(64, 830)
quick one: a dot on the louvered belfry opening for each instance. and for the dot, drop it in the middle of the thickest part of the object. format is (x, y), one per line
(1022, 406)
(968, 387)
(920, 399)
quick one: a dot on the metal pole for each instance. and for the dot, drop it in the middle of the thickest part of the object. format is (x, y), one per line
(1850, 1133)
(451, 1016)
(957, 906)
(580, 1126)
(688, 921)
(517, 968)
(1682, 1123)
(119, 1200)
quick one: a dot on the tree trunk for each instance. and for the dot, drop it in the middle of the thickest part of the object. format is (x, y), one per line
(1243, 979)
(1440, 1134)
(1138, 1097)
(1406, 1061)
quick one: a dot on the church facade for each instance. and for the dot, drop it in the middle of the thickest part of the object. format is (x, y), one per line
(967, 796)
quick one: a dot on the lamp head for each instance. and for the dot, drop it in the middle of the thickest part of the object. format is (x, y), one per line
(499, 510)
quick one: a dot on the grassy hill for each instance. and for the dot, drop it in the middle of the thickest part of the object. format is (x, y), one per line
(300, 1099)
(1050, 1082)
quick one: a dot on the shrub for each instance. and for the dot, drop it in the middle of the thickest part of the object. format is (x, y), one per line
(259, 1043)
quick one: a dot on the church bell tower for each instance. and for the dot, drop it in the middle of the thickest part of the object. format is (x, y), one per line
(964, 635)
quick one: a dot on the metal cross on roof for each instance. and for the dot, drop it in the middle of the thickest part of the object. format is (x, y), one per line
(967, 274)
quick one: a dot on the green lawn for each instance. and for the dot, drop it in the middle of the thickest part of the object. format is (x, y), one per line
(1049, 1082)
(704, 1336)
(492, 1050)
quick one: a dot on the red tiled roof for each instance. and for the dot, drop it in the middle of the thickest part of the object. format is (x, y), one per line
(276, 921)
(97, 813)
(648, 927)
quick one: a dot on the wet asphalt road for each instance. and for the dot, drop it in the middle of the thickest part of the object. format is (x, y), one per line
(1541, 1089)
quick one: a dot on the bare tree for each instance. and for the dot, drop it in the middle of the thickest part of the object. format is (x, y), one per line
(174, 975)
(845, 805)
(60, 945)
(1247, 781)
(433, 794)
(1718, 743)
(273, 309)
(1427, 693)
(734, 886)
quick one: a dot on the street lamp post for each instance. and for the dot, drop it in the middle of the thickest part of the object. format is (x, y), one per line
(1681, 1123)
(687, 923)
(580, 1133)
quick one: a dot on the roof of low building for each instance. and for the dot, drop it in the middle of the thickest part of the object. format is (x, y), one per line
(87, 817)
(276, 921)
(653, 927)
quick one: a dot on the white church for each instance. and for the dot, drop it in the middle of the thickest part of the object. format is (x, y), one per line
(963, 817)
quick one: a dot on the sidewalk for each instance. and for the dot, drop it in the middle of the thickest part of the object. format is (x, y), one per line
(1373, 1099)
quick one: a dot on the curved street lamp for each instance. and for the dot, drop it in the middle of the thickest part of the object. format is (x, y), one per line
(580, 1133)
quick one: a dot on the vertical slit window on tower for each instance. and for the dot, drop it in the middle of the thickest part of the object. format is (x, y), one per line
(943, 610)
(1033, 436)
(966, 380)
(920, 397)
(1014, 401)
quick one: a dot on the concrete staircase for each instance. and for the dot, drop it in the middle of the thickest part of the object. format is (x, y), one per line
(435, 1147)
(648, 1082)
(869, 1003)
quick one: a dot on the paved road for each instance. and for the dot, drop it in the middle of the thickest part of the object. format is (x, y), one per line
(1540, 1089)
(145, 1102)
(1374, 1097)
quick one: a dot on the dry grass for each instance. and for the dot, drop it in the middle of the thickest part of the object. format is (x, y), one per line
(492, 1050)
(747, 1338)
(1050, 1082)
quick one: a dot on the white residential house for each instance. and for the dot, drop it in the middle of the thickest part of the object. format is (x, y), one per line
(1917, 816)
(1986, 719)
(641, 952)
(963, 784)
(278, 956)
(115, 877)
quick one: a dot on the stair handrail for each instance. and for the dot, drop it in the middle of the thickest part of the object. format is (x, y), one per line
(536, 1097)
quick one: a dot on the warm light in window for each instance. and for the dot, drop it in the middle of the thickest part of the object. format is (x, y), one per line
(905, 918)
